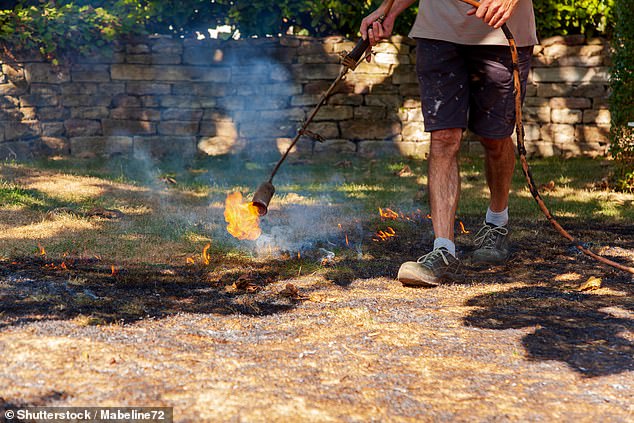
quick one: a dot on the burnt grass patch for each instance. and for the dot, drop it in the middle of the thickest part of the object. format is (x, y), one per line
(571, 326)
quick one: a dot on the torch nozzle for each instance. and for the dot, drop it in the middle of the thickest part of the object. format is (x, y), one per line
(262, 197)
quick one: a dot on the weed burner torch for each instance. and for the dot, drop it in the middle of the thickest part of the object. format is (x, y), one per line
(350, 61)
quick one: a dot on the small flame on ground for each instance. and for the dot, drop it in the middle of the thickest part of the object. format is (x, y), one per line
(462, 228)
(62, 266)
(42, 250)
(205, 254)
(388, 214)
(190, 260)
(113, 270)
(345, 234)
(243, 219)
(384, 235)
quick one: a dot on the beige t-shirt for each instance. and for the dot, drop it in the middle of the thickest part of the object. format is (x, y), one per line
(448, 20)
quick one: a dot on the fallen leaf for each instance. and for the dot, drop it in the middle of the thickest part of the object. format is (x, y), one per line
(291, 291)
(251, 288)
(242, 282)
(405, 172)
(549, 187)
(591, 284)
(169, 180)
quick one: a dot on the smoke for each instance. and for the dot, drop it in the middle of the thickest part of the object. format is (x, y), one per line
(245, 126)
(264, 116)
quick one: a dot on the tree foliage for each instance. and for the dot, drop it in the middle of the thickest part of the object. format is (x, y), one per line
(562, 17)
(622, 95)
(53, 28)
(53, 25)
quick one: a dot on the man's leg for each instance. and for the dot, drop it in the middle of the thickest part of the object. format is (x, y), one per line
(492, 239)
(492, 116)
(444, 190)
(499, 163)
(444, 90)
(444, 180)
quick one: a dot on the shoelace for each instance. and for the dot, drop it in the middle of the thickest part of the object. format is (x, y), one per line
(432, 256)
(487, 234)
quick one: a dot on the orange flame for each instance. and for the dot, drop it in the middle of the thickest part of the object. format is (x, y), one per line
(384, 235)
(345, 234)
(205, 254)
(190, 260)
(462, 228)
(243, 220)
(113, 270)
(42, 250)
(388, 214)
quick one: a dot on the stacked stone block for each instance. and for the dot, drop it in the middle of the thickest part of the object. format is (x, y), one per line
(566, 110)
(172, 97)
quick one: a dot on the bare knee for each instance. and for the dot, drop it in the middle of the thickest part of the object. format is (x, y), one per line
(497, 147)
(446, 142)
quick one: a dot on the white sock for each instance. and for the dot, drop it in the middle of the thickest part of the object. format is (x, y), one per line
(447, 243)
(497, 218)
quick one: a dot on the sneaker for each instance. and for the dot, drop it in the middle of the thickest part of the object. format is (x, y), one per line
(492, 245)
(431, 269)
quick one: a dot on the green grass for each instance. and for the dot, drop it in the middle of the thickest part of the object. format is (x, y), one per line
(13, 195)
(357, 188)
(366, 183)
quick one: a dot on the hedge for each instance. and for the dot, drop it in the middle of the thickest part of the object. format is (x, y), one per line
(82, 24)
(622, 96)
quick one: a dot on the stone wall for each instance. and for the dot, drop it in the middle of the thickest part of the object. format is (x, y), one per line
(177, 97)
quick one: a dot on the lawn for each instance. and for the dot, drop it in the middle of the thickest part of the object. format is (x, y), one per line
(170, 211)
(120, 273)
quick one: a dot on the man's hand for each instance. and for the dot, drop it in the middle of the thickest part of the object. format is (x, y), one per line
(375, 31)
(494, 12)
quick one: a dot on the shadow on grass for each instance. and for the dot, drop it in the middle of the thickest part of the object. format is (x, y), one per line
(586, 331)
(589, 331)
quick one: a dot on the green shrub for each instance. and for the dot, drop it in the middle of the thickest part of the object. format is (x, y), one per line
(622, 93)
(53, 29)
(44, 23)
(563, 17)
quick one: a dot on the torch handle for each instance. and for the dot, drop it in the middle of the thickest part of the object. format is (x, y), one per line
(359, 49)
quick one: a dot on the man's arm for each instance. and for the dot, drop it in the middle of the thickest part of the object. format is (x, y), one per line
(375, 31)
(494, 12)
